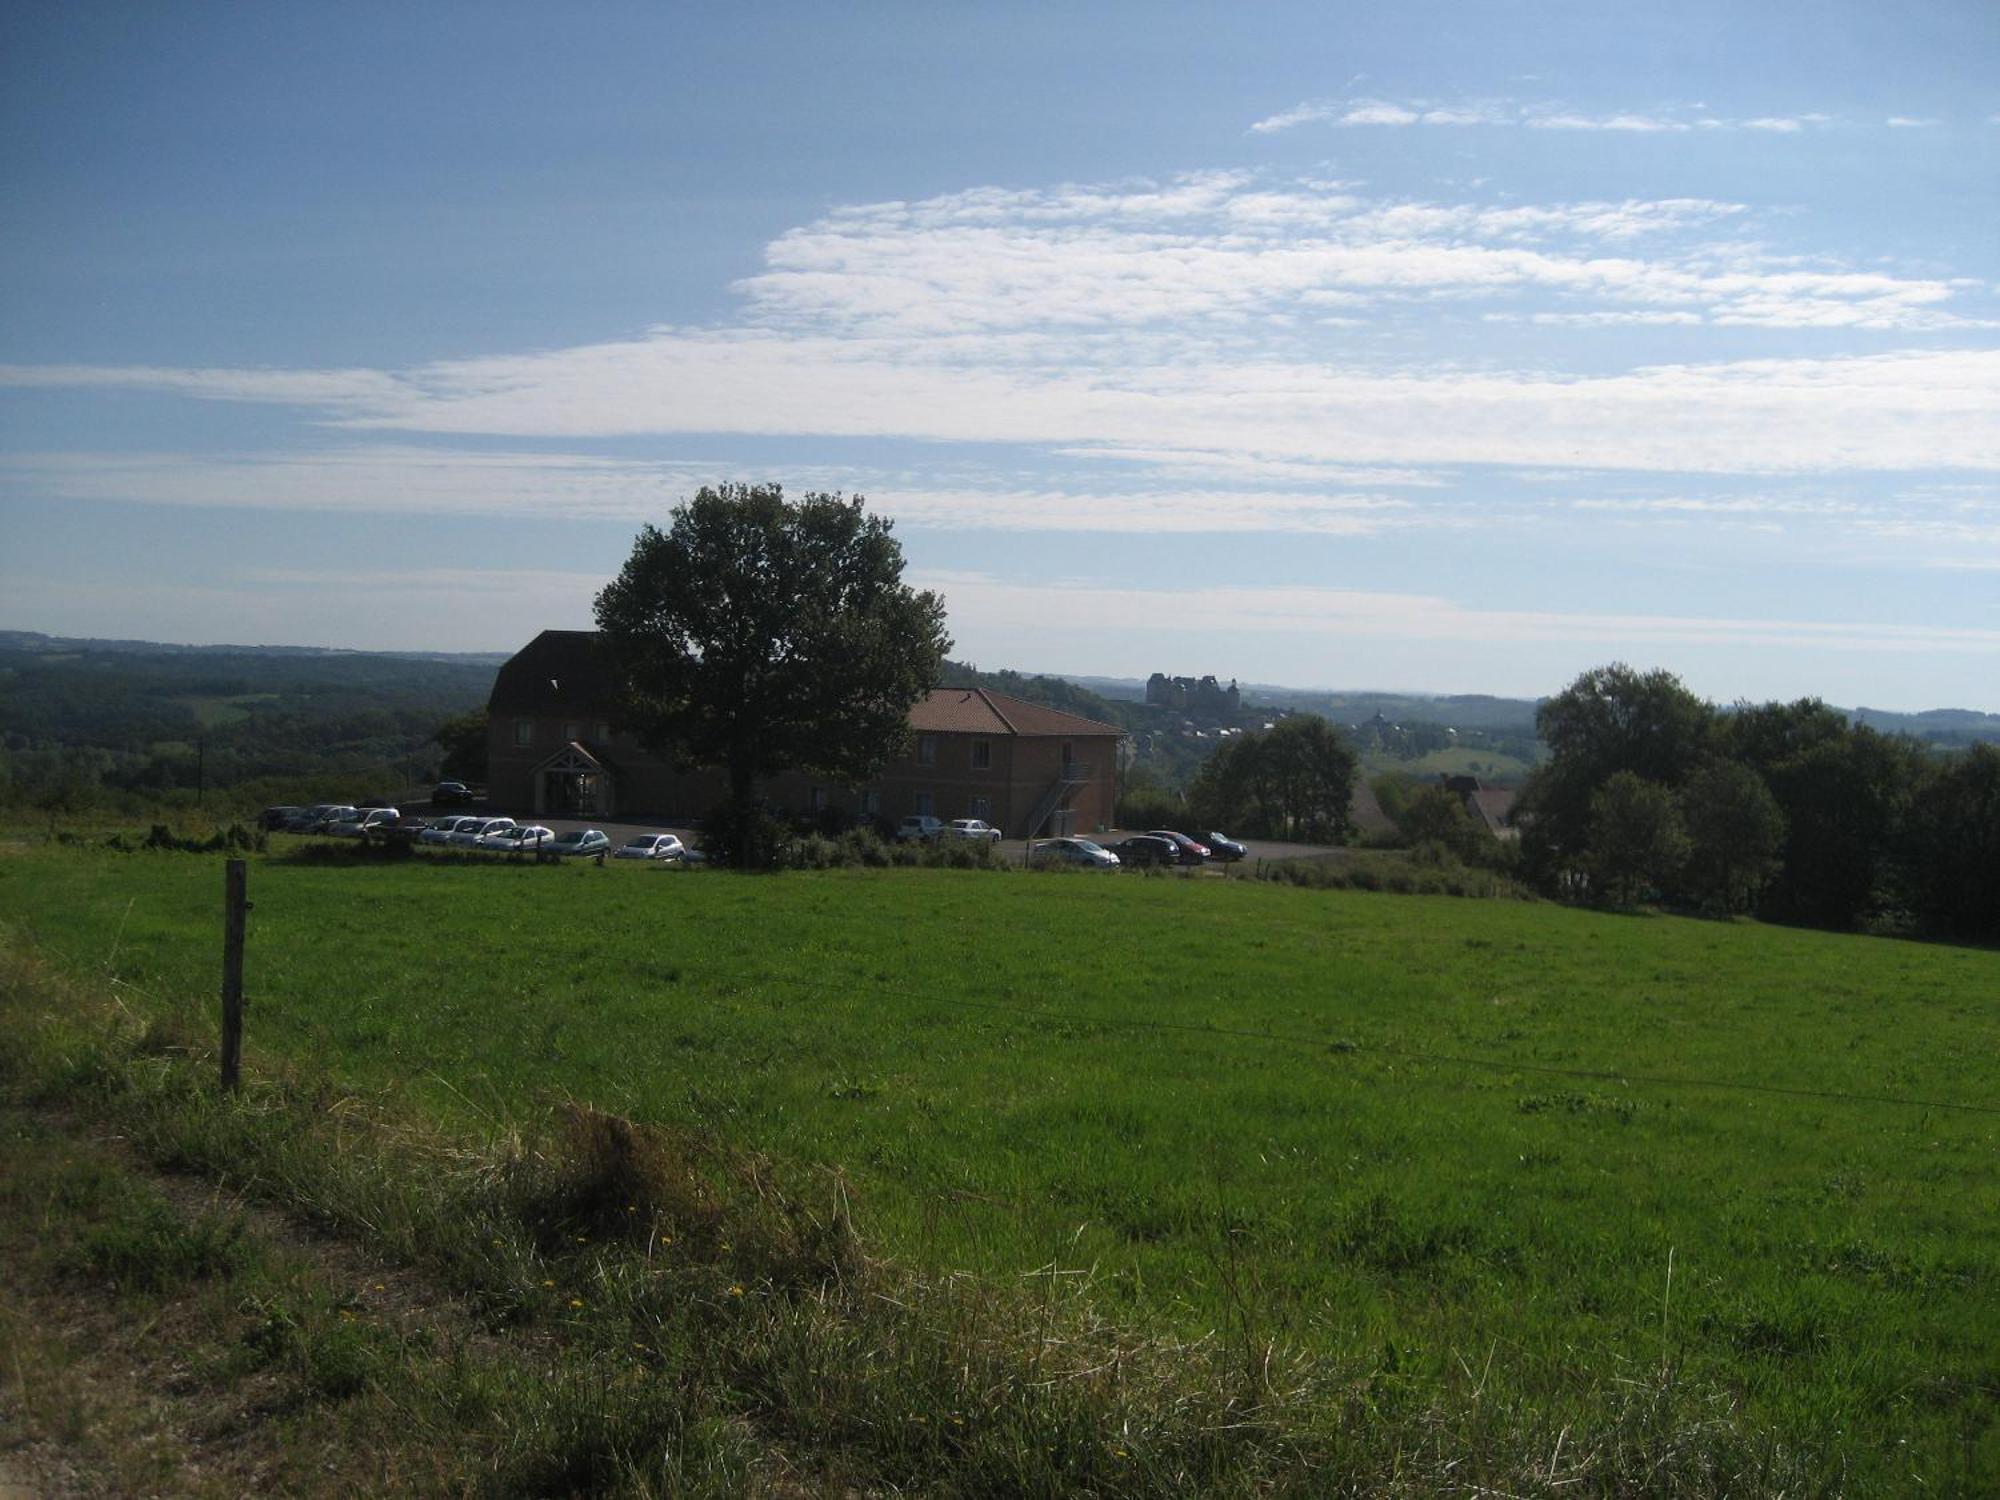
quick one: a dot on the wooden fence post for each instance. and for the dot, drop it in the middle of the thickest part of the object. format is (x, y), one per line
(233, 909)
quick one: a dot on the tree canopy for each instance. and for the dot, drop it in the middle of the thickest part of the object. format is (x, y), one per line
(759, 635)
(1787, 809)
(1295, 780)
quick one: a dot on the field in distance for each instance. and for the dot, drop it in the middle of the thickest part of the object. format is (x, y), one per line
(1339, 1119)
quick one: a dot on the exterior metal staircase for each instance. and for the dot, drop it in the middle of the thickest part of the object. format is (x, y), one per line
(1073, 775)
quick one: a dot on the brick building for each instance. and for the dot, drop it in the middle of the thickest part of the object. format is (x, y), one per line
(555, 750)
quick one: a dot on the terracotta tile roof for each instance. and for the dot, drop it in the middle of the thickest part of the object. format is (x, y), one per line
(982, 711)
(560, 672)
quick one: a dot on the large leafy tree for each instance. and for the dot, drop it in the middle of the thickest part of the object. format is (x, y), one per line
(463, 741)
(1637, 843)
(757, 635)
(1610, 719)
(1736, 833)
(1295, 780)
(1954, 846)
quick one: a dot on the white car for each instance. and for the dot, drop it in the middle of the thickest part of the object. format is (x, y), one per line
(1071, 851)
(519, 837)
(972, 829)
(580, 841)
(661, 846)
(469, 834)
(441, 831)
(919, 826)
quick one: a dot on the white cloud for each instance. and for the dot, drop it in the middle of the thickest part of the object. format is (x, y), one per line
(984, 603)
(1911, 122)
(380, 478)
(1172, 320)
(1298, 114)
(1672, 120)
(1640, 124)
(1914, 409)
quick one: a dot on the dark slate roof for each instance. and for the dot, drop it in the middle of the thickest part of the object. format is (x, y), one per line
(557, 673)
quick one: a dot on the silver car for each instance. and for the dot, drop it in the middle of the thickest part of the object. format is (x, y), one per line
(468, 836)
(660, 846)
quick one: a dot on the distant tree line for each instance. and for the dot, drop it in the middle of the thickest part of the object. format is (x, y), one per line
(106, 727)
(1785, 810)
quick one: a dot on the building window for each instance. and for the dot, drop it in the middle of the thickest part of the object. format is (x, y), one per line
(1069, 754)
(524, 731)
(818, 796)
(926, 805)
(980, 807)
(926, 749)
(982, 755)
(572, 732)
(871, 802)
(602, 732)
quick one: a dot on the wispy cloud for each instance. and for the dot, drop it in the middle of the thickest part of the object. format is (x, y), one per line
(1175, 325)
(1914, 409)
(1350, 615)
(1665, 120)
(379, 478)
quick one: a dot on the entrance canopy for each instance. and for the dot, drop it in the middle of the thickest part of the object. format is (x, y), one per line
(573, 783)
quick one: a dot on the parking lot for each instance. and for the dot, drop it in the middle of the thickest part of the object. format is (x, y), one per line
(620, 830)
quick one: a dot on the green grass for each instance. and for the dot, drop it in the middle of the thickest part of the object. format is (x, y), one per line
(1230, 1107)
(1490, 766)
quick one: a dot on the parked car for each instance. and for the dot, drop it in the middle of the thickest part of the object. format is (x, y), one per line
(1145, 849)
(1191, 852)
(451, 794)
(1073, 851)
(335, 812)
(274, 818)
(518, 838)
(919, 826)
(441, 830)
(303, 820)
(366, 820)
(469, 835)
(972, 829)
(661, 846)
(1221, 846)
(580, 841)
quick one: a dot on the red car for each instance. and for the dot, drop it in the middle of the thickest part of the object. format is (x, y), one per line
(1191, 852)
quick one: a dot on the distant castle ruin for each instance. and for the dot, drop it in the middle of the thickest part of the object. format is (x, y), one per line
(1203, 698)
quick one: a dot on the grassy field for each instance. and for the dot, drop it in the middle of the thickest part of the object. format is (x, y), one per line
(1353, 1125)
(1488, 765)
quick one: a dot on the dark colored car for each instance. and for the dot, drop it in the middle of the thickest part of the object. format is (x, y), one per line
(1146, 849)
(274, 818)
(1221, 846)
(1191, 852)
(451, 794)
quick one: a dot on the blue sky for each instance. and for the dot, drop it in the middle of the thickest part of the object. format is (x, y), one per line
(1446, 347)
